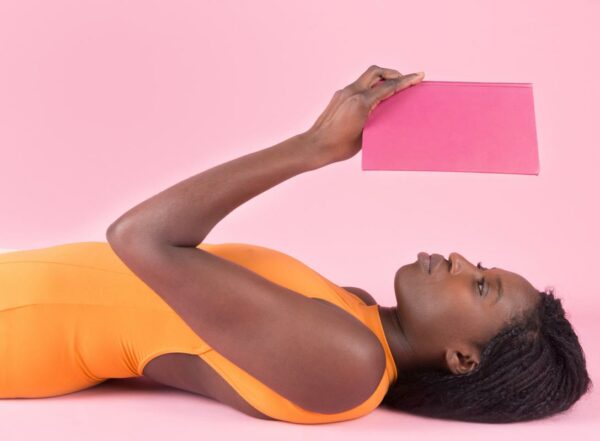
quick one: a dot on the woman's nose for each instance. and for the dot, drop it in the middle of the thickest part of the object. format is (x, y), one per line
(454, 258)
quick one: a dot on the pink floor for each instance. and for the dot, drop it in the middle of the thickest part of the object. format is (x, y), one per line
(140, 409)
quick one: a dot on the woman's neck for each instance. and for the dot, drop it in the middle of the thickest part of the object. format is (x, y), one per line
(404, 355)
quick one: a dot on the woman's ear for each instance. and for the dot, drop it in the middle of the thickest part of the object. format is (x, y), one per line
(462, 360)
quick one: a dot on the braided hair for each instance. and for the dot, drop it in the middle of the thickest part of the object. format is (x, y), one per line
(533, 368)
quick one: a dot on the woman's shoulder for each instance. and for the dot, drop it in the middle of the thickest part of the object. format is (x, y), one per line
(362, 294)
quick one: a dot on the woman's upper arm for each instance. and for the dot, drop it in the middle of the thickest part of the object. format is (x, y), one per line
(318, 357)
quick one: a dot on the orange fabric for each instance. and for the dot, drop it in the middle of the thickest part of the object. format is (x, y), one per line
(74, 315)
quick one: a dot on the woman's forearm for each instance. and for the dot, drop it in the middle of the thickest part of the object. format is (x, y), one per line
(184, 214)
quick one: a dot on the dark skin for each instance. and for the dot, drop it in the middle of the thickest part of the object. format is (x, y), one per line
(440, 316)
(158, 239)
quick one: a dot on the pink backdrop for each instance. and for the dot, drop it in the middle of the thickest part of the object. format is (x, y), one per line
(105, 103)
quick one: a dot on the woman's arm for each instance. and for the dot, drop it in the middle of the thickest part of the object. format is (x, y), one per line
(185, 213)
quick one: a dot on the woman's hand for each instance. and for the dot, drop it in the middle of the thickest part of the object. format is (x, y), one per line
(337, 133)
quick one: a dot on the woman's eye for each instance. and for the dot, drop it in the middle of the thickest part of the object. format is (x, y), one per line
(480, 266)
(482, 286)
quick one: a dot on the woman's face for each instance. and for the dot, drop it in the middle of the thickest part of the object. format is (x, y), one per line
(446, 311)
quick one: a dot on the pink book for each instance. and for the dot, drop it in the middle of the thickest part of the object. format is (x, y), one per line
(454, 126)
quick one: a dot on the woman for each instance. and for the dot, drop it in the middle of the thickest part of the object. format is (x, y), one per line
(259, 331)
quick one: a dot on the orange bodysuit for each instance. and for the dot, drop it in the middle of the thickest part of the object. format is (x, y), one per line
(74, 315)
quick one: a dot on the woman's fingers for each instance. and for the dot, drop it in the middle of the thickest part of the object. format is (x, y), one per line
(372, 75)
(410, 80)
(389, 87)
(393, 81)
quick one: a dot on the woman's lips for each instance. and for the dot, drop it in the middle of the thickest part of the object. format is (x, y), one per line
(435, 260)
(429, 263)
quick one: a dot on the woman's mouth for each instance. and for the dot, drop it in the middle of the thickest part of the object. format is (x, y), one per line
(430, 262)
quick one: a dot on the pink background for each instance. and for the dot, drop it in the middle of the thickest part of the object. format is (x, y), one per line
(105, 103)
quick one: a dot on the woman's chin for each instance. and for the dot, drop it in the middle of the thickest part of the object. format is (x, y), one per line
(409, 278)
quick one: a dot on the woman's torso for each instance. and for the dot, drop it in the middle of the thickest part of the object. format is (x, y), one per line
(73, 315)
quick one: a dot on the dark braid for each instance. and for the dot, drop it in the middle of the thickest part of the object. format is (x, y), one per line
(533, 368)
